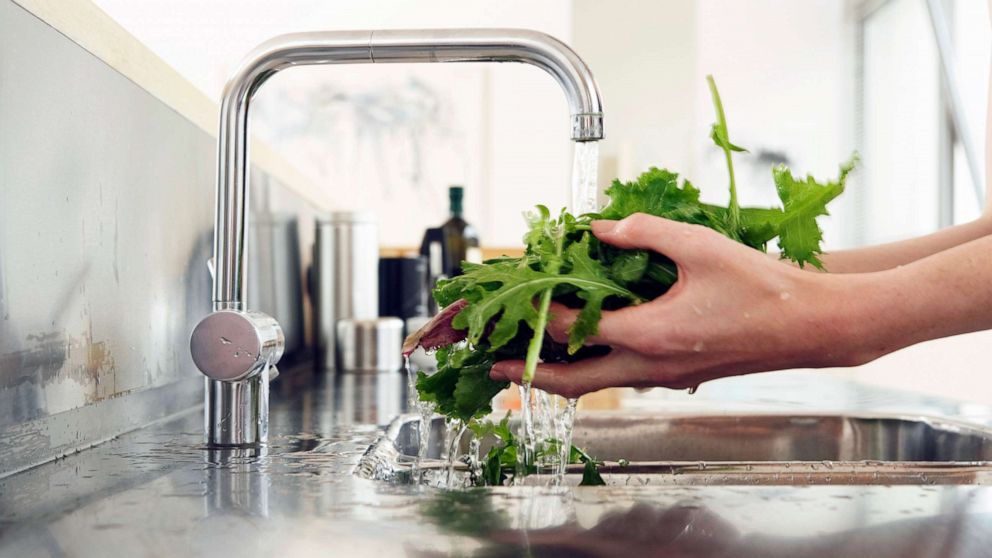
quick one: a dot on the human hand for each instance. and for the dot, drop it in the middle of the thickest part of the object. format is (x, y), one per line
(732, 311)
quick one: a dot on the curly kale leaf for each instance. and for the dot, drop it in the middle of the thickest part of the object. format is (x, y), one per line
(500, 463)
(501, 295)
(805, 200)
(658, 192)
(461, 387)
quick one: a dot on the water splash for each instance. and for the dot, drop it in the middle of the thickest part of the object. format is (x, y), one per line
(546, 423)
(453, 437)
(525, 436)
(564, 427)
(474, 463)
(426, 410)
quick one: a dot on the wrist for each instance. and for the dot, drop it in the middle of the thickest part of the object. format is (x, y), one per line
(855, 319)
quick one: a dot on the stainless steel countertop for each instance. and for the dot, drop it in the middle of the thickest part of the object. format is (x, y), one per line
(158, 492)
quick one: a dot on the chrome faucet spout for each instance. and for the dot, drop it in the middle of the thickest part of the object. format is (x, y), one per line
(337, 47)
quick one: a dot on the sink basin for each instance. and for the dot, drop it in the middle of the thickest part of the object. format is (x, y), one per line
(642, 449)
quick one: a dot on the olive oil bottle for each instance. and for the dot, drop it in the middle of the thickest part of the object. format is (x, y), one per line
(447, 246)
(460, 239)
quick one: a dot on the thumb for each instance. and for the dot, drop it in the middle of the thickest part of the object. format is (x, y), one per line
(678, 241)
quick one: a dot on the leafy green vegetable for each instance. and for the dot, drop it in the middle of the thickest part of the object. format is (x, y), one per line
(721, 137)
(461, 387)
(590, 467)
(501, 460)
(502, 457)
(590, 474)
(501, 293)
(804, 201)
(507, 299)
(464, 512)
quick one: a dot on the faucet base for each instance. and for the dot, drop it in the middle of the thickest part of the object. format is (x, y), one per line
(236, 414)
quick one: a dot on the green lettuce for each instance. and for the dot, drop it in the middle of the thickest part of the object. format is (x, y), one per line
(508, 298)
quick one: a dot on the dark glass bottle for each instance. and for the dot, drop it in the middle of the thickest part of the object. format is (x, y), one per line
(460, 241)
(445, 248)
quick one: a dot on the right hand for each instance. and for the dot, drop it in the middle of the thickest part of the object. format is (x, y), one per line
(732, 311)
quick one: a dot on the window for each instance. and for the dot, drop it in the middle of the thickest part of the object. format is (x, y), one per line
(917, 176)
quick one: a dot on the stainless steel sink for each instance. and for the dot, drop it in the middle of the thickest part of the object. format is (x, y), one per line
(744, 449)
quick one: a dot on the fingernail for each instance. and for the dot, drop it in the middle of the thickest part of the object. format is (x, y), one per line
(603, 227)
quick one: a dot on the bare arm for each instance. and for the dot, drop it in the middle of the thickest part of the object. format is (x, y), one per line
(888, 256)
(895, 254)
(734, 311)
(945, 294)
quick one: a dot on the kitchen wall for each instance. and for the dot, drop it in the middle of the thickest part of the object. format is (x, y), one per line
(392, 138)
(389, 138)
(106, 218)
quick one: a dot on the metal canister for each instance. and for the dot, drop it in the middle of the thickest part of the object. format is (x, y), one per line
(346, 276)
(370, 345)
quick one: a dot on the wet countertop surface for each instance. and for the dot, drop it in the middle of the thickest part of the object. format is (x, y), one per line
(158, 492)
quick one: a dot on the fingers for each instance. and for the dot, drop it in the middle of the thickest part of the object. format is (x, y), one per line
(561, 318)
(676, 240)
(567, 380)
(615, 328)
(617, 369)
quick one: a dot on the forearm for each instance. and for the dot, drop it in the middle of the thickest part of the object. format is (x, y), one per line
(903, 252)
(945, 294)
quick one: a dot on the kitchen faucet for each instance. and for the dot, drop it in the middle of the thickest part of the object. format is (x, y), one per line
(236, 348)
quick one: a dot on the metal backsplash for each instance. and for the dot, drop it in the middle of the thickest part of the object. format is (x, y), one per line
(106, 217)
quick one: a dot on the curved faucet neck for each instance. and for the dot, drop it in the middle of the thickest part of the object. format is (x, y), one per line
(354, 47)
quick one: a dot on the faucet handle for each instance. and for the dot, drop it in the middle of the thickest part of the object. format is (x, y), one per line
(232, 345)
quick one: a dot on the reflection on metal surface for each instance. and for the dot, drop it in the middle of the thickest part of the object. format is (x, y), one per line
(101, 247)
(233, 486)
(158, 491)
(364, 398)
(277, 272)
(745, 449)
(101, 252)
(688, 528)
(234, 345)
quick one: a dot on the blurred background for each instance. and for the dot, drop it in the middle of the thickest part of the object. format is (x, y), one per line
(805, 82)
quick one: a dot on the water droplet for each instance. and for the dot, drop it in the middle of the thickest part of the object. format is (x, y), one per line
(785, 296)
(225, 340)
(698, 347)
(692, 390)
